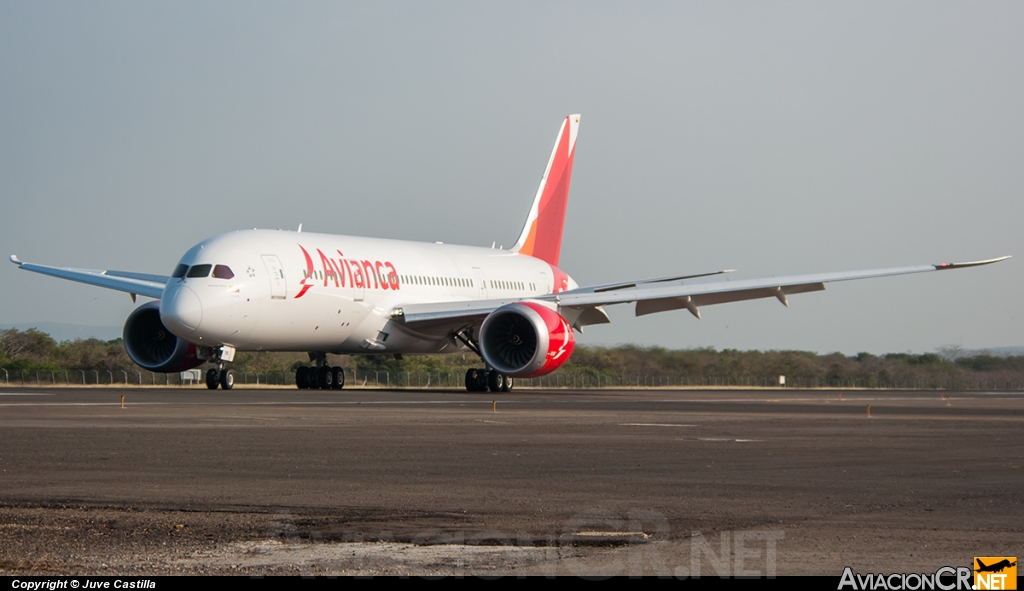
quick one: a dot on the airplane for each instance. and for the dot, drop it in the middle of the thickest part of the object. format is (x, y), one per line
(994, 568)
(274, 290)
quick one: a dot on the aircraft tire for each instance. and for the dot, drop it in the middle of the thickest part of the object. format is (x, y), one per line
(472, 380)
(508, 385)
(496, 381)
(338, 378)
(212, 378)
(227, 379)
(302, 378)
(324, 378)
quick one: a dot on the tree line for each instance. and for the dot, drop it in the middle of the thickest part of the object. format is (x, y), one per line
(33, 350)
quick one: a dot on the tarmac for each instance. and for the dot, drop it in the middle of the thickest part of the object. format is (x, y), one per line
(679, 483)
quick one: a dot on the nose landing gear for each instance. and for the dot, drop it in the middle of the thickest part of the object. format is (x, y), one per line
(218, 376)
(225, 378)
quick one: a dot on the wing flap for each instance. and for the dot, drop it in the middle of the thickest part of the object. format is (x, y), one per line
(645, 307)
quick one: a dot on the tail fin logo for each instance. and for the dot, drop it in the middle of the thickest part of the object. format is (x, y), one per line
(542, 234)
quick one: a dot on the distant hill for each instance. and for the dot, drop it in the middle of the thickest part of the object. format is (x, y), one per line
(69, 332)
(994, 351)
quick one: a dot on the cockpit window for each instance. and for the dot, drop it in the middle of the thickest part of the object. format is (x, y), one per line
(199, 271)
(179, 271)
(222, 272)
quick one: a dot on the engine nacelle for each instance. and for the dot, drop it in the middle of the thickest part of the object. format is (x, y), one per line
(149, 344)
(525, 340)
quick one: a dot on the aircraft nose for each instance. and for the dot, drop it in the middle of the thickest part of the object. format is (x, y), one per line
(181, 311)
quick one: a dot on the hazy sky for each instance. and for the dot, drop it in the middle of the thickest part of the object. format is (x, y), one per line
(768, 137)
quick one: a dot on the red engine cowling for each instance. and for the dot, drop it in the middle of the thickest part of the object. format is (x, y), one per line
(149, 344)
(525, 340)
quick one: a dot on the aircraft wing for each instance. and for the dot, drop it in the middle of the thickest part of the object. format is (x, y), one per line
(583, 306)
(135, 283)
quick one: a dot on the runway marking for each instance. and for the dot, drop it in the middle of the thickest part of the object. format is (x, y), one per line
(653, 425)
(822, 400)
(280, 403)
(571, 402)
(24, 394)
(718, 439)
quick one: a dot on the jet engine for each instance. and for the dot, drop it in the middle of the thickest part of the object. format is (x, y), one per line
(149, 344)
(525, 340)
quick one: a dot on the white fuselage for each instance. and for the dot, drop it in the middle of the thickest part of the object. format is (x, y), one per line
(292, 291)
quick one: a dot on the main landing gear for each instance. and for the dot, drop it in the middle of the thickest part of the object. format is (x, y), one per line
(321, 377)
(482, 380)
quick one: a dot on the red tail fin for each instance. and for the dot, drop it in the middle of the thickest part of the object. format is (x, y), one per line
(542, 234)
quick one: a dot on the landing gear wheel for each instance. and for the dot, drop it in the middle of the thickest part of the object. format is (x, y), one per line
(212, 379)
(324, 378)
(227, 379)
(302, 378)
(508, 385)
(337, 378)
(496, 381)
(472, 380)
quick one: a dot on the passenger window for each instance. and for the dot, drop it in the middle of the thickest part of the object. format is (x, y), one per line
(222, 272)
(179, 271)
(199, 271)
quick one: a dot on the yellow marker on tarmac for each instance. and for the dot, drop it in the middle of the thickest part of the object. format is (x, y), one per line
(122, 401)
(869, 410)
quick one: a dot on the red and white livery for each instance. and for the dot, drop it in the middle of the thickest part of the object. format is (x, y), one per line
(273, 290)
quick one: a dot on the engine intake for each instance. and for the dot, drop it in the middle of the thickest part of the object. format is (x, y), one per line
(526, 340)
(149, 344)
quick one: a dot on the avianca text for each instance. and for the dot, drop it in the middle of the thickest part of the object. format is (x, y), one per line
(343, 272)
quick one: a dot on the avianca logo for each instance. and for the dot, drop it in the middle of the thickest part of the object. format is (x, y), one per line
(344, 272)
(561, 280)
(556, 354)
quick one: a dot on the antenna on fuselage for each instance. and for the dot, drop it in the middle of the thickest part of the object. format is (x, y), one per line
(300, 227)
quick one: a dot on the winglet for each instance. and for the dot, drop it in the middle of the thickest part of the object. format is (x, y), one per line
(944, 266)
(14, 259)
(542, 234)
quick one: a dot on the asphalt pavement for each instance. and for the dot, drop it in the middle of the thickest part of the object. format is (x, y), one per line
(597, 482)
